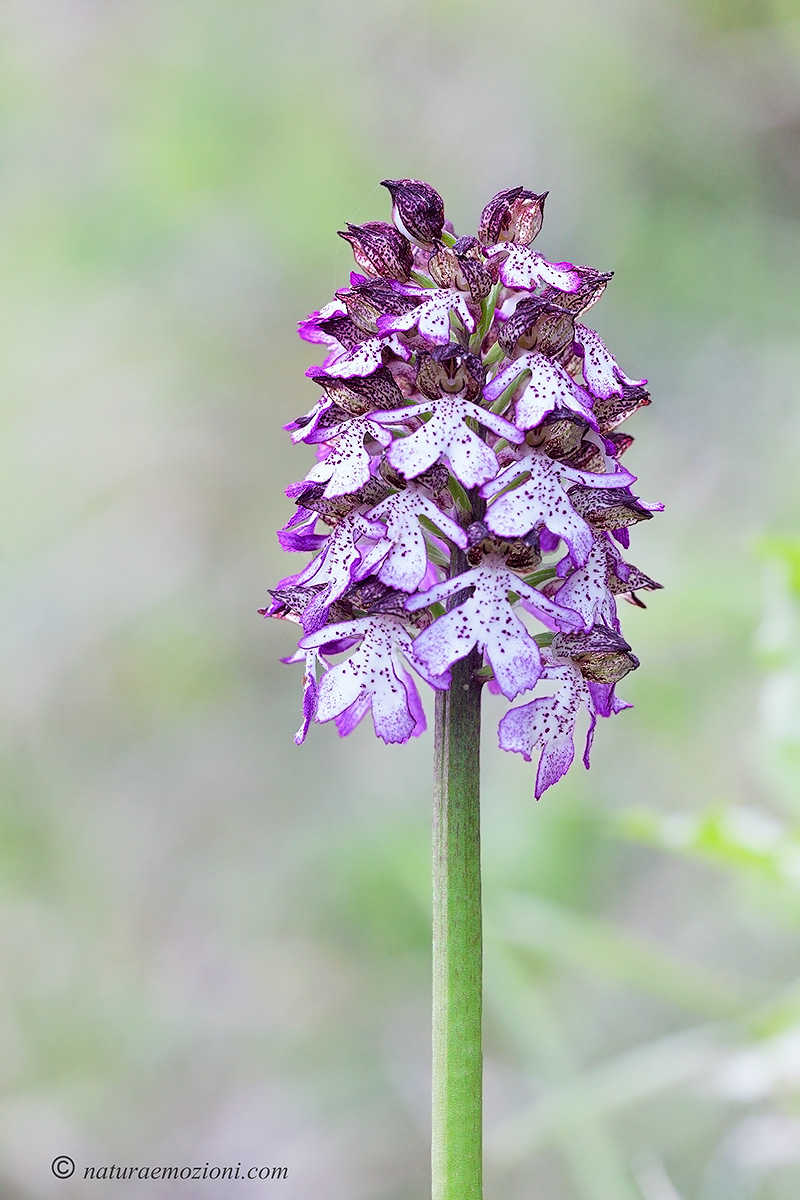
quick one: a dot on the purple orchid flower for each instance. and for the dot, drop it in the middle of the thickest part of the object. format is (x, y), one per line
(526, 269)
(406, 562)
(549, 721)
(471, 460)
(600, 370)
(351, 552)
(540, 500)
(373, 677)
(546, 387)
(431, 318)
(347, 467)
(488, 620)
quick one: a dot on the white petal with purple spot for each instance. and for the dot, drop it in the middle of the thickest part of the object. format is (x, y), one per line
(526, 268)
(431, 318)
(347, 467)
(446, 434)
(600, 370)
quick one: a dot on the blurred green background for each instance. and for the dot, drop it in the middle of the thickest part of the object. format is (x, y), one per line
(214, 945)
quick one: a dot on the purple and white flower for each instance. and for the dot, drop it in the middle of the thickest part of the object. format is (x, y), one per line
(548, 722)
(540, 500)
(352, 551)
(487, 619)
(546, 388)
(347, 467)
(600, 370)
(431, 318)
(526, 269)
(406, 562)
(471, 460)
(372, 678)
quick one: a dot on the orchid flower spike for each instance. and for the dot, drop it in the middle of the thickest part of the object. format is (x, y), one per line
(467, 490)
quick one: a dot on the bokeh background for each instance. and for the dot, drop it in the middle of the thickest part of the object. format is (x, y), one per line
(215, 945)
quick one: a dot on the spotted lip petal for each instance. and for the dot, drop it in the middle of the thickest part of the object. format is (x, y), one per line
(373, 675)
(548, 389)
(364, 358)
(352, 551)
(586, 589)
(406, 562)
(600, 370)
(431, 318)
(542, 501)
(446, 433)
(548, 722)
(593, 284)
(347, 467)
(526, 269)
(486, 619)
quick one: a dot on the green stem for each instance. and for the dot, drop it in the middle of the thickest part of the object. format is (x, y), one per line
(457, 939)
(488, 305)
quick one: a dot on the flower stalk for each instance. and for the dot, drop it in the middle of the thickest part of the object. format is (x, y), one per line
(457, 1067)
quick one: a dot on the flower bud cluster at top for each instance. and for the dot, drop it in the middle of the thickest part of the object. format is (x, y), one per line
(467, 472)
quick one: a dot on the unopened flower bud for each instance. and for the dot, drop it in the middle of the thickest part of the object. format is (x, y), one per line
(380, 250)
(514, 215)
(417, 209)
(450, 370)
(461, 266)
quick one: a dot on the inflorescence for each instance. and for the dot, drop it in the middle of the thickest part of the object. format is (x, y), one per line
(468, 471)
